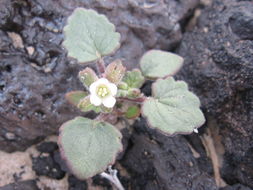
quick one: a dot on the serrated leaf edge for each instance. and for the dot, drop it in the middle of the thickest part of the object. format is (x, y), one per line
(155, 128)
(64, 157)
(67, 25)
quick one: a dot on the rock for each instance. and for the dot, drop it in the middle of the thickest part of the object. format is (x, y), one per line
(219, 69)
(75, 184)
(46, 164)
(156, 162)
(35, 72)
(47, 147)
(22, 185)
(236, 187)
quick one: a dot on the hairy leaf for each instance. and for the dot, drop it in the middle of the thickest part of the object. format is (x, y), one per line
(89, 146)
(87, 77)
(159, 64)
(134, 78)
(85, 105)
(89, 36)
(173, 108)
(115, 71)
(74, 97)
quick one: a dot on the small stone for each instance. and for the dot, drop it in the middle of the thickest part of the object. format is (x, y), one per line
(16, 40)
(30, 50)
(10, 136)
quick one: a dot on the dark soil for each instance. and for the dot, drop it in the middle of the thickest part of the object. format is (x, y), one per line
(35, 74)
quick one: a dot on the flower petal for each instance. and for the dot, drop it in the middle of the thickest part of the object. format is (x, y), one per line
(113, 88)
(102, 81)
(95, 100)
(93, 87)
(109, 101)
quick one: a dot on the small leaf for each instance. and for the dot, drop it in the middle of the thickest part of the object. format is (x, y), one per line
(173, 109)
(159, 64)
(134, 78)
(123, 86)
(134, 93)
(87, 77)
(85, 105)
(89, 146)
(115, 71)
(132, 112)
(89, 35)
(74, 97)
(122, 93)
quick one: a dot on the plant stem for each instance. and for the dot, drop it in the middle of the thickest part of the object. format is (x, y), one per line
(112, 177)
(101, 66)
(136, 100)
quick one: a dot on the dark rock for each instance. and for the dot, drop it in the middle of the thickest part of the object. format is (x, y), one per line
(76, 184)
(23, 185)
(45, 165)
(158, 162)
(35, 74)
(58, 159)
(219, 69)
(47, 147)
(98, 180)
(236, 187)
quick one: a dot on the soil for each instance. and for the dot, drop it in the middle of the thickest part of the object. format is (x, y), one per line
(215, 39)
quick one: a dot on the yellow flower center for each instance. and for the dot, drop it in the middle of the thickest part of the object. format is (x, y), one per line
(102, 91)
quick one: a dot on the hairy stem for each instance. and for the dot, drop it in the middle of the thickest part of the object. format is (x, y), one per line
(112, 177)
(101, 66)
(136, 100)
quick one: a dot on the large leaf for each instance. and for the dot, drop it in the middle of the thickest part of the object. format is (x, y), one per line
(173, 108)
(89, 35)
(89, 146)
(159, 64)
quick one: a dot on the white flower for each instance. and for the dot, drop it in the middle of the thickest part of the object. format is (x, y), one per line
(103, 92)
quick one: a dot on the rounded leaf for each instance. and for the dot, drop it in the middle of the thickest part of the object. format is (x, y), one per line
(173, 108)
(89, 35)
(89, 146)
(159, 64)
(132, 112)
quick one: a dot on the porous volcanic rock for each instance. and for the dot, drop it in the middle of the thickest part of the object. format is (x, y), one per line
(35, 72)
(219, 68)
(158, 162)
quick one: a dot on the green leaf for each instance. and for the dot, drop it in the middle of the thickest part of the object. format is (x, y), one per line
(132, 112)
(159, 64)
(173, 109)
(89, 146)
(89, 36)
(134, 78)
(87, 77)
(74, 97)
(85, 105)
(134, 93)
(115, 71)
